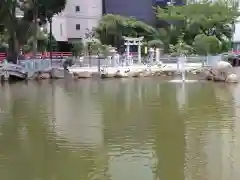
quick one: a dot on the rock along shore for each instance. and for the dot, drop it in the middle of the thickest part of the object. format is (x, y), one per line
(117, 72)
(222, 71)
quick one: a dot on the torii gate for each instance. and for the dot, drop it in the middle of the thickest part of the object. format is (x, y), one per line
(130, 41)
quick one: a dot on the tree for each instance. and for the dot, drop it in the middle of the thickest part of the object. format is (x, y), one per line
(4, 35)
(156, 43)
(77, 48)
(205, 45)
(203, 17)
(181, 48)
(112, 28)
(19, 28)
(54, 44)
(42, 9)
(42, 40)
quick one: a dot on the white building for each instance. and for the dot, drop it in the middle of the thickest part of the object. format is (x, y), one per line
(236, 37)
(78, 16)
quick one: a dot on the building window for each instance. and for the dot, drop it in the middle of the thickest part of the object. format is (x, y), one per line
(61, 30)
(77, 26)
(77, 8)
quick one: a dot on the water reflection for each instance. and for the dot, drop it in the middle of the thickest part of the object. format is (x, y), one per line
(181, 95)
(209, 137)
(121, 129)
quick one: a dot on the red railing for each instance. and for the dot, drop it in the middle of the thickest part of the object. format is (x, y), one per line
(54, 54)
(41, 55)
(3, 56)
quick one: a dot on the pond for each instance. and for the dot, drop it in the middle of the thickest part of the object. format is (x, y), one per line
(143, 129)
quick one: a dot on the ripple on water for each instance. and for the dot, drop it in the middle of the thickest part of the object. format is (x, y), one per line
(132, 129)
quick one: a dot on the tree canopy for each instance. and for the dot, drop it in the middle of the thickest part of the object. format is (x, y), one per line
(202, 27)
(20, 28)
(214, 21)
(112, 28)
(44, 8)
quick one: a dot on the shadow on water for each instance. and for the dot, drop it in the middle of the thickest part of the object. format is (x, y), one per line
(119, 129)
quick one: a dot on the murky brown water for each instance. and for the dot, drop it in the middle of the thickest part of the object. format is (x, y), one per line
(119, 130)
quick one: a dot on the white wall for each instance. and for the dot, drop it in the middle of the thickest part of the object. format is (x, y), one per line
(88, 16)
(236, 36)
(59, 28)
(71, 27)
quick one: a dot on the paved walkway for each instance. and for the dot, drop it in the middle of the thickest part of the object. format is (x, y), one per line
(167, 67)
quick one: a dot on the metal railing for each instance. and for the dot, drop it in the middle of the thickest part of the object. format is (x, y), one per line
(34, 65)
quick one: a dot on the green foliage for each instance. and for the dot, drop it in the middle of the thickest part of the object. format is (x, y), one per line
(4, 35)
(42, 40)
(93, 46)
(112, 28)
(157, 43)
(212, 19)
(206, 44)
(20, 29)
(77, 48)
(181, 48)
(26, 48)
(54, 44)
(104, 50)
(42, 9)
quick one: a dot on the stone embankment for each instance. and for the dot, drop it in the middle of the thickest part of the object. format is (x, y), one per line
(222, 71)
(114, 72)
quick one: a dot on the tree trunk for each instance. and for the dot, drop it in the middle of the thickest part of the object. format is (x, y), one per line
(35, 13)
(13, 50)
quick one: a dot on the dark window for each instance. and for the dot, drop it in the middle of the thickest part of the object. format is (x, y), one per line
(77, 8)
(77, 26)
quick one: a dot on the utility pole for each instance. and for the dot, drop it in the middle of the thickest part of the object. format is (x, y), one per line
(49, 18)
(35, 21)
(50, 39)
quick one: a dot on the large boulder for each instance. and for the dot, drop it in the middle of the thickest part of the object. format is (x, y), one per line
(42, 75)
(232, 78)
(82, 74)
(222, 71)
(121, 74)
(222, 66)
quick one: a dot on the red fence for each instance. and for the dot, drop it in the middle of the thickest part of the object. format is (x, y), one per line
(3, 56)
(41, 55)
(236, 52)
(54, 54)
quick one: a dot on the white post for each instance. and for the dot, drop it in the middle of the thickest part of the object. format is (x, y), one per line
(117, 59)
(157, 54)
(151, 53)
(109, 58)
(139, 52)
(178, 68)
(112, 57)
(113, 63)
(131, 60)
(128, 50)
(182, 60)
